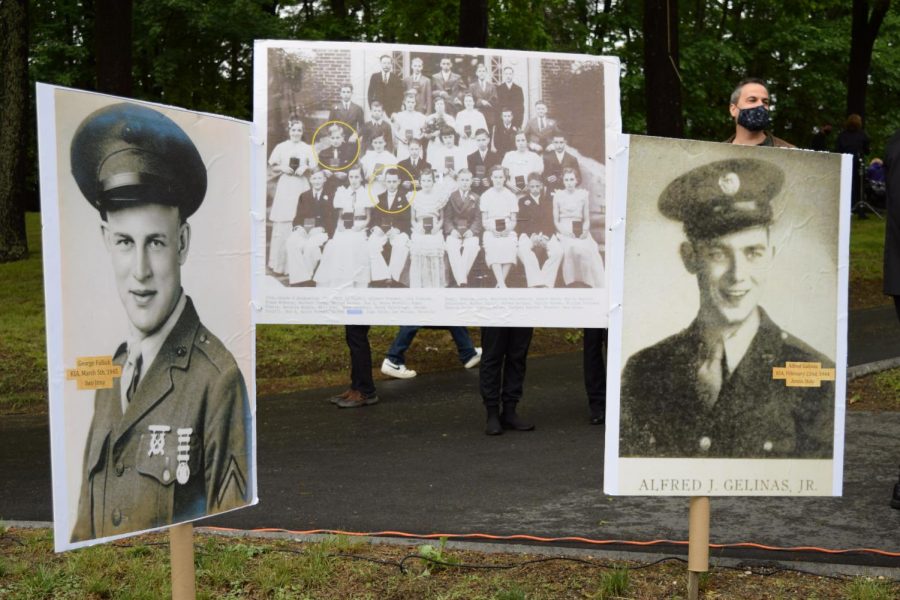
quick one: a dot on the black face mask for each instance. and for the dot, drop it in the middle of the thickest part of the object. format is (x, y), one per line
(754, 119)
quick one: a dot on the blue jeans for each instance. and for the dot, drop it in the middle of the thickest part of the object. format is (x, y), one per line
(407, 334)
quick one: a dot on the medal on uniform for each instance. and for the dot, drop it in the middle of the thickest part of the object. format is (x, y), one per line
(158, 439)
(183, 472)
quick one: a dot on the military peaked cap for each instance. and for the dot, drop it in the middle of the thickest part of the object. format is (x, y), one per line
(723, 197)
(127, 153)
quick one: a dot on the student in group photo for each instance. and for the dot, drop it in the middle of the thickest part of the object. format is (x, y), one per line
(345, 262)
(290, 160)
(481, 160)
(468, 121)
(539, 250)
(520, 163)
(582, 263)
(420, 84)
(336, 154)
(374, 163)
(447, 158)
(437, 121)
(412, 166)
(462, 228)
(503, 134)
(313, 225)
(426, 247)
(388, 245)
(498, 218)
(408, 124)
(377, 125)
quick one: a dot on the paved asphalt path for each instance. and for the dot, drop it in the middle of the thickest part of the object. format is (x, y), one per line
(419, 462)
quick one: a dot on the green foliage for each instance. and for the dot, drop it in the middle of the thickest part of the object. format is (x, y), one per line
(867, 588)
(436, 558)
(613, 584)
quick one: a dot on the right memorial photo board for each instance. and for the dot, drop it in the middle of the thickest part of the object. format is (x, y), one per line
(728, 321)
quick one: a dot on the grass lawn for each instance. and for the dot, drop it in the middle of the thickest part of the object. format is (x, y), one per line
(295, 357)
(339, 568)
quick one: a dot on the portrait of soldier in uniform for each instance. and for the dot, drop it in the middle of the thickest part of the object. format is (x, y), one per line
(170, 441)
(709, 391)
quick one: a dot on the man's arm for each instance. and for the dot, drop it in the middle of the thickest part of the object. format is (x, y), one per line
(227, 427)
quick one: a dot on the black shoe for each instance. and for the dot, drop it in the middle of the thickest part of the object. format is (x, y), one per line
(493, 426)
(510, 420)
(598, 420)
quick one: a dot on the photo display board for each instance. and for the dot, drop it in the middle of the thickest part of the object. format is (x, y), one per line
(380, 202)
(146, 238)
(727, 357)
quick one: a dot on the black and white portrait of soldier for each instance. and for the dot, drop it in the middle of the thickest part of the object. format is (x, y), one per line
(708, 390)
(171, 439)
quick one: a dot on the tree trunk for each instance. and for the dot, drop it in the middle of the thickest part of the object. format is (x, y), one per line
(662, 86)
(473, 23)
(13, 113)
(112, 46)
(863, 32)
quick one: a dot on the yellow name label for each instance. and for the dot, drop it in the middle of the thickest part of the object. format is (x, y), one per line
(94, 372)
(803, 374)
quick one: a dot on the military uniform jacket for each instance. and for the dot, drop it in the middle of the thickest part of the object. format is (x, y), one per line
(131, 483)
(462, 212)
(755, 416)
(398, 217)
(535, 218)
(322, 210)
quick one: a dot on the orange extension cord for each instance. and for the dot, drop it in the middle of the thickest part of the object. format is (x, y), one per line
(583, 540)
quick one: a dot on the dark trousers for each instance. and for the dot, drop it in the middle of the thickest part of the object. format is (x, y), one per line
(503, 358)
(360, 358)
(595, 370)
(897, 305)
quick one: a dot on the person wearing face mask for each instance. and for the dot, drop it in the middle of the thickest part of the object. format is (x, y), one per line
(750, 108)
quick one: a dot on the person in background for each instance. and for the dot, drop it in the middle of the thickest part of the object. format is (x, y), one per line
(854, 140)
(394, 363)
(749, 107)
(502, 376)
(348, 112)
(313, 226)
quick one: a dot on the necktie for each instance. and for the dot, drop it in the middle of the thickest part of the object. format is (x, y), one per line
(541, 125)
(384, 77)
(135, 378)
(711, 372)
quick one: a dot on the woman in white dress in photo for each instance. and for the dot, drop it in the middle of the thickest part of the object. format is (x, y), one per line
(468, 121)
(289, 161)
(408, 125)
(499, 207)
(582, 262)
(520, 163)
(436, 121)
(345, 260)
(426, 247)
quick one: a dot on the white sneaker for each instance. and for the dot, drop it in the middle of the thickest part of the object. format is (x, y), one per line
(398, 371)
(473, 362)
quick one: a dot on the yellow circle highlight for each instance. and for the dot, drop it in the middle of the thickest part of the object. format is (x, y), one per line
(374, 201)
(316, 154)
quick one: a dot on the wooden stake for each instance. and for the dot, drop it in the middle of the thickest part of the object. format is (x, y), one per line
(698, 543)
(181, 549)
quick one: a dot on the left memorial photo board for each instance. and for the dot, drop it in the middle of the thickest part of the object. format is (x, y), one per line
(431, 185)
(146, 223)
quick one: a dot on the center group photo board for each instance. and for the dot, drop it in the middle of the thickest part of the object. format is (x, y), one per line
(430, 185)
